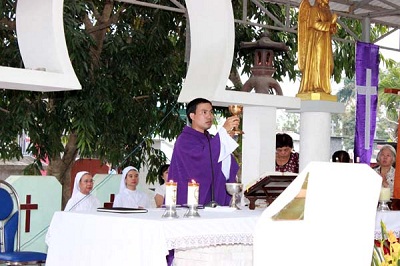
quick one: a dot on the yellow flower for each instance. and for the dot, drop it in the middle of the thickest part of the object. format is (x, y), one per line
(392, 237)
(389, 245)
(395, 248)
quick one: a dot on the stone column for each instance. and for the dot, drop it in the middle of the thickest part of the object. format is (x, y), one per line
(258, 145)
(315, 130)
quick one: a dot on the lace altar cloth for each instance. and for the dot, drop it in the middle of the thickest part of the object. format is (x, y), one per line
(391, 220)
(220, 226)
(144, 238)
(232, 255)
(188, 242)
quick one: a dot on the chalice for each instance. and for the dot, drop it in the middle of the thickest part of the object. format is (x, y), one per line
(234, 189)
(236, 109)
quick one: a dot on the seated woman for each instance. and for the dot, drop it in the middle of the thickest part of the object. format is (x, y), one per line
(386, 158)
(81, 199)
(160, 190)
(340, 157)
(128, 196)
(286, 160)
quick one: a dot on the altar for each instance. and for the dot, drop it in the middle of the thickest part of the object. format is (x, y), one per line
(391, 220)
(144, 238)
(96, 238)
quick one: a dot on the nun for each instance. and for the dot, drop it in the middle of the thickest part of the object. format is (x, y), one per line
(129, 196)
(82, 199)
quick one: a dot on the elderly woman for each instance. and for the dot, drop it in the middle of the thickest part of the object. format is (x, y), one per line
(81, 199)
(386, 158)
(285, 159)
(128, 196)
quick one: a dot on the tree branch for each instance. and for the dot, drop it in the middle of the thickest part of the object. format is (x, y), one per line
(4, 110)
(234, 76)
(7, 24)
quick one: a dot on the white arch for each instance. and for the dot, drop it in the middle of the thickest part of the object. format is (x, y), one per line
(212, 39)
(41, 40)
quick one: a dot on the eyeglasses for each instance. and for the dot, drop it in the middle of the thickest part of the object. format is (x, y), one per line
(88, 181)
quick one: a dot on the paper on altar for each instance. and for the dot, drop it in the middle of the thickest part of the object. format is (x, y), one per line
(339, 219)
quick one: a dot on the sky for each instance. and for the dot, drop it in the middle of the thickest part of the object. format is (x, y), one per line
(392, 41)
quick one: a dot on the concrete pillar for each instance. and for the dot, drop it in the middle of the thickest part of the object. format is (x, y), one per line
(258, 144)
(315, 130)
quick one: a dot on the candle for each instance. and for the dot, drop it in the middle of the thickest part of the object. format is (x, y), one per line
(385, 194)
(193, 193)
(170, 193)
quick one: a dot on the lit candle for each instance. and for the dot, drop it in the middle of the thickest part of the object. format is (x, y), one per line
(193, 193)
(385, 194)
(170, 193)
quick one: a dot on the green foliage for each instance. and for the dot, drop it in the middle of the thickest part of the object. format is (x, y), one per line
(243, 58)
(130, 62)
(387, 115)
(344, 50)
(344, 124)
(292, 123)
(129, 85)
(389, 104)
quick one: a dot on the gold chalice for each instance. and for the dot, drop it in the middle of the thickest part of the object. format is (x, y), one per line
(236, 109)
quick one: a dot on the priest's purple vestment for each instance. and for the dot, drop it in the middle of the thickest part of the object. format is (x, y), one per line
(195, 156)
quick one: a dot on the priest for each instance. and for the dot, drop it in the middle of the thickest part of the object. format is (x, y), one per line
(204, 158)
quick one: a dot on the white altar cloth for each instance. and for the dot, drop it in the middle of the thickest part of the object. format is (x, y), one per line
(142, 238)
(391, 220)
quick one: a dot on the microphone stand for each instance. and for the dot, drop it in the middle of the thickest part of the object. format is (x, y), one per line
(212, 203)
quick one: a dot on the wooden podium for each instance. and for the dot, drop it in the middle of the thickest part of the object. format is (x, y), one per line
(268, 187)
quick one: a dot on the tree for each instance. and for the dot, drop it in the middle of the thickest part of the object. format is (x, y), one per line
(388, 104)
(387, 113)
(285, 64)
(291, 122)
(344, 124)
(130, 61)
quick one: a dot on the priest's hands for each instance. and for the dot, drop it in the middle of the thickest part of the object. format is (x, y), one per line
(231, 123)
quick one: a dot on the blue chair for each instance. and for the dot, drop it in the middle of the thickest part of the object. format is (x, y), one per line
(10, 253)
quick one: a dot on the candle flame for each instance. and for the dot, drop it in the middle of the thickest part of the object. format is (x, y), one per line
(171, 181)
(193, 181)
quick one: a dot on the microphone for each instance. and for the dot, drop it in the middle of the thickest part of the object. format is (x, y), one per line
(212, 203)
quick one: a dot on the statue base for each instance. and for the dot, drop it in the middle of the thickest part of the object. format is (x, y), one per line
(317, 96)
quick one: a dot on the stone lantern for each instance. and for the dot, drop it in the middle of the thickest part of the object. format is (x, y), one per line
(261, 73)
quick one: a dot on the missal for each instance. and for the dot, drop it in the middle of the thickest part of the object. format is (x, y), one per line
(122, 210)
(268, 187)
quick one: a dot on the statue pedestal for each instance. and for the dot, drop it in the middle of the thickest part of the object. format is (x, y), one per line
(317, 96)
(315, 130)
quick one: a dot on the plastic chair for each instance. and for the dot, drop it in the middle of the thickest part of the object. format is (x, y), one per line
(10, 253)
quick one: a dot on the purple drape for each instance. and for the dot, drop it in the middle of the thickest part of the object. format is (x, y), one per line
(367, 77)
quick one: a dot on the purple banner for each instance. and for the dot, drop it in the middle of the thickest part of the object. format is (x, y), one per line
(367, 78)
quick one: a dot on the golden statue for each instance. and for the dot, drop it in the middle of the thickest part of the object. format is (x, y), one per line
(316, 25)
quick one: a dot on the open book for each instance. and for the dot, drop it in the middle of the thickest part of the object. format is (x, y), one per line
(268, 186)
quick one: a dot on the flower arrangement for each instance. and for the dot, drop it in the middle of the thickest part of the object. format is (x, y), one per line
(387, 251)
